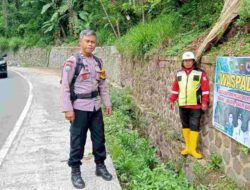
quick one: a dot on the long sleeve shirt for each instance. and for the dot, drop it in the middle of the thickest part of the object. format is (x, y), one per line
(88, 80)
(204, 89)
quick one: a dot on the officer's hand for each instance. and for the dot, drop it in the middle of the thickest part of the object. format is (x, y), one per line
(172, 105)
(204, 107)
(109, 110)
(70, 115)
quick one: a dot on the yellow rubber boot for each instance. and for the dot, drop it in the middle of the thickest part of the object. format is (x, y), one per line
(186, 136)
(194, 138)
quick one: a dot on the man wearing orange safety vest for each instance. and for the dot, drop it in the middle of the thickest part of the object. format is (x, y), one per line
(191, 89)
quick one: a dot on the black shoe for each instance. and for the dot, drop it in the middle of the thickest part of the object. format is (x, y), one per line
(76, 178)
(102, 171)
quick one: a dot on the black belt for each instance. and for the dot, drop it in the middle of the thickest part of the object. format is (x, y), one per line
(88, 95)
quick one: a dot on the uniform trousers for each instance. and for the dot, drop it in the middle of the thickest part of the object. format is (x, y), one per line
(85, 120)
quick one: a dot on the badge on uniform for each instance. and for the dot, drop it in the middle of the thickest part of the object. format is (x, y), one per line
(85, 76)
(67, 68)
(68, 65)
(103, 74)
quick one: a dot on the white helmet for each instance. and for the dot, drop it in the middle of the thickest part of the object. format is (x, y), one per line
(188, 55)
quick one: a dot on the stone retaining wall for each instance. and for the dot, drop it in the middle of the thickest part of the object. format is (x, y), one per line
(29, 57)
(150, 84)
(56, 56)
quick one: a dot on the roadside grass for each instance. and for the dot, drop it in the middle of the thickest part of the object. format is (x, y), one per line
(134, 156)
(239, 45)
(136, 161)
(146, 37)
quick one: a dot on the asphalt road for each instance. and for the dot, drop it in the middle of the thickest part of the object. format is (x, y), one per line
(37, 157)
(14, 93)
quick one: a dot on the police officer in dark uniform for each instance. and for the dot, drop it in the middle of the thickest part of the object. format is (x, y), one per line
(81, 96)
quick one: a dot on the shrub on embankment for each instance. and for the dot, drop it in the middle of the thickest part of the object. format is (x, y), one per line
(134, 156)
(172, 31)
(138, 164)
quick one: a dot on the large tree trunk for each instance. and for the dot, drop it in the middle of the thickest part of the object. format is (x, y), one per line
(5, 15)
(72, 18)
(142, 11)
(118, 28)
(57, 33)
(229, 12)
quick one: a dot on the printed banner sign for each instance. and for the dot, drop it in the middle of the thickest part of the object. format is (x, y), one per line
(231, 111)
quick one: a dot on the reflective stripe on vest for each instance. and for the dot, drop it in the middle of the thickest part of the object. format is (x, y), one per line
(189, 87)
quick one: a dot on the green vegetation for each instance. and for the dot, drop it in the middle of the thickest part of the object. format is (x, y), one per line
(55, 22)
(173, 30)
(215, 161)
(180, 42)
(239, 45)
(138, 28)
(244, 149)
(225, 183)
(150, 24)
(151, 35)
(136, 162)
(210, 175)
(134, 156)
(200, 172)
(245, 11)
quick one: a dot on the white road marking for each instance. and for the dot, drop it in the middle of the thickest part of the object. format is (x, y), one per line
(4, 150)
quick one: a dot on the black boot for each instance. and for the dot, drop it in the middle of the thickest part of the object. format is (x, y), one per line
(76, 178)
(102, 171)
